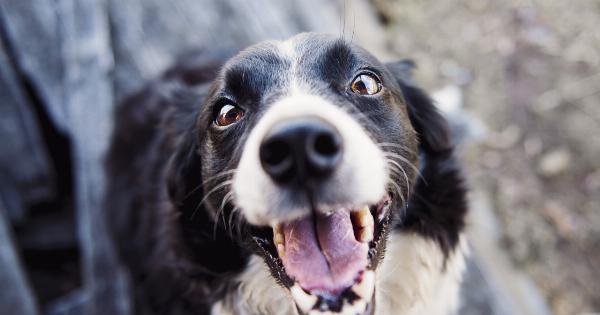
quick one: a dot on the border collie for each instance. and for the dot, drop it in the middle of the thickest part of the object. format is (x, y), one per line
(298, 177)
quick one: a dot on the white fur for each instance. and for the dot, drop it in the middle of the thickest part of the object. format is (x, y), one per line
(258, 293)
(411, 281)
(362, 165)
(287, 49)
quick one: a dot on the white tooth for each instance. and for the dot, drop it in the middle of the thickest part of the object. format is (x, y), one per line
(277, 228)
(278, 234)
(281, 250)
(365, 234)
(366, 219)
(304, 300)
(366, 286)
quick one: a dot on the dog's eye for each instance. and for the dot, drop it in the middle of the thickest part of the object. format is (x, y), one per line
(366, 84)
(228, 114)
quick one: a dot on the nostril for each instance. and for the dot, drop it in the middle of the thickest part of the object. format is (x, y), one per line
(275, 152)
(326, 144)
(276, 159)
(323, 152)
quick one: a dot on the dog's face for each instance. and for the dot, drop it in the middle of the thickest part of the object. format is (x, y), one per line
(310, 147)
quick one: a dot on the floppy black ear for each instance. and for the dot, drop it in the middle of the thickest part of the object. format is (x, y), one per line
(430, 125)
(184, 183)
(438, 205)
(184, 171)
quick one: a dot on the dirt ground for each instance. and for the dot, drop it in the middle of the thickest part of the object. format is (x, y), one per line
(529, 70)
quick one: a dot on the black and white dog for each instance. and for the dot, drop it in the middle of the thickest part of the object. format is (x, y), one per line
(299, 177)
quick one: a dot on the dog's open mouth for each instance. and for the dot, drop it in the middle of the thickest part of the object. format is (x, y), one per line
(328, 260)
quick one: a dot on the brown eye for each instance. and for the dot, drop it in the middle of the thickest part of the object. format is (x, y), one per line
(229, 114)
(366, 84)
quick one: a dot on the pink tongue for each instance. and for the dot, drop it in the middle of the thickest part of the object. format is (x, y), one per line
(341, 259)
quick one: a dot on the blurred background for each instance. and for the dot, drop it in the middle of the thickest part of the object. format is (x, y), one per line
(518, 80)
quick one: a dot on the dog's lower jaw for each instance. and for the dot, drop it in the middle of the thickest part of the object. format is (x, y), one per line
(415, 277)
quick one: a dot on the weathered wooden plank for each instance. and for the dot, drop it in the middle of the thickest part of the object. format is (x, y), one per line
(32, 31)
(16, 297)
(148, 35)
(72, 304)
(89, 101)
(26, 176)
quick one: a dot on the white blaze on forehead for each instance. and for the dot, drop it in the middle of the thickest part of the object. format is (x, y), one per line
(360, 178)
(291, 50)
(288, 52)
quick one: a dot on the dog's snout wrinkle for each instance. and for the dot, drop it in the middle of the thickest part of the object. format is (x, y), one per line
(300, 151)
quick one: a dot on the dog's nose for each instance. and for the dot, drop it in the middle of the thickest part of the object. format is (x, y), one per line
(306, 149)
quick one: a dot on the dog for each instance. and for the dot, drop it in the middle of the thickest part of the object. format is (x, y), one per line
(297, 177)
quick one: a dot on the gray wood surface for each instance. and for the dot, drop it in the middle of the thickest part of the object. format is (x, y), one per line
(26, 175)
(16, 297)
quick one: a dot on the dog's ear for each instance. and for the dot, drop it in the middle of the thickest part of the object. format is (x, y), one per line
(184, 171)
(430, 125)
(184, 183)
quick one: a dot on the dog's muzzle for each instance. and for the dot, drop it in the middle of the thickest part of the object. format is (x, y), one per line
(311, 173)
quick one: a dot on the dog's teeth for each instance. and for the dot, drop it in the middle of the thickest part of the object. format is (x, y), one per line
(278, 238)
(363, 225)
(304, 300)
(281, 250)
(277, 228)
(365, 234)
(363, 217)
(366, 286)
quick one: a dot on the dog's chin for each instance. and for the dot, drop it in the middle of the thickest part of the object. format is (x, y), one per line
(327, 259)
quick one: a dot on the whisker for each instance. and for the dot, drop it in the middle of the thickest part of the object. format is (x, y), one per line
(218, 175)
(216, 188)
(239, 224)
(399, 192)
(344, 25)
(391, 155)
(396, 177)
(353, 24)
(214, 177)
(403, 172)
(224, 203)
(231, 215)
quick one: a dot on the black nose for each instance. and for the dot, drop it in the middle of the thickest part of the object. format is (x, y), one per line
(300, 150)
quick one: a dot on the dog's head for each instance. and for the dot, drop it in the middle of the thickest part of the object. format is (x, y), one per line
(310, 148)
